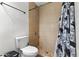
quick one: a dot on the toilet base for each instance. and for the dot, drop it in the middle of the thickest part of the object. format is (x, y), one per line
(22, 55)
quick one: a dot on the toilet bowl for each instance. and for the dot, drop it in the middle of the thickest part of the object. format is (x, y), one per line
(29, 51)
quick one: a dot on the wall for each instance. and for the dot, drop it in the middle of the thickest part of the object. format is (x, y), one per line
(77, 26)
(33, 24)
(48, 28)
(12, 23)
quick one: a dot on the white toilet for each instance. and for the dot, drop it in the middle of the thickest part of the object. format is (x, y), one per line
(27, 50)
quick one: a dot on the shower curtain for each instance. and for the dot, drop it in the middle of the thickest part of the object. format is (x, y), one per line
(66, 42)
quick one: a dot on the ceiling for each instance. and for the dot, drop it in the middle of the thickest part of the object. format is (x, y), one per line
(40, 3)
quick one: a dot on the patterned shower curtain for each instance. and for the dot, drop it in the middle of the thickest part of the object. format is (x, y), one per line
(66, 43)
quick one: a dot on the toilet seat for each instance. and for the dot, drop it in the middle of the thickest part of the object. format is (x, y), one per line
(29, 50)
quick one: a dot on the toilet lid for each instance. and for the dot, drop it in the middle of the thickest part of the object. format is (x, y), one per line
(29, 49)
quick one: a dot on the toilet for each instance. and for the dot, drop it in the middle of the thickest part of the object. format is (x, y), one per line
(27, 50)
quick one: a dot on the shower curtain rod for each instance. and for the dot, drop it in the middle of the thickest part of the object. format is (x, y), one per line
(12, 7)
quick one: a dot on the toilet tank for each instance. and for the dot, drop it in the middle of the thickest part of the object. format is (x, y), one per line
(22, 41)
